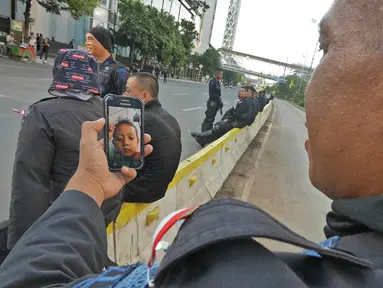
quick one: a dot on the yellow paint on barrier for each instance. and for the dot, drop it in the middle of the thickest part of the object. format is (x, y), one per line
(152, 215)
(192, 180)
(186, 167)
(213, 161)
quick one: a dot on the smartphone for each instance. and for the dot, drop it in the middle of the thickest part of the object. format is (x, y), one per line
(126, 146)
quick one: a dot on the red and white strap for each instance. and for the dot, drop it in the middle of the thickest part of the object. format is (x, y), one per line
(162, 229)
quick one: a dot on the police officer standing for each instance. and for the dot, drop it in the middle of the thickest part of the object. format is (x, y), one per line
(215, 101)
(112, 75)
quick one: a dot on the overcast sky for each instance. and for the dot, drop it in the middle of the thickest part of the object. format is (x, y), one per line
(275, 29)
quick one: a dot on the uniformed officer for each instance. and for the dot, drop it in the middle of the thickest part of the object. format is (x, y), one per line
(214, 103)
(48, 146)
(112, 75)
(241, 115)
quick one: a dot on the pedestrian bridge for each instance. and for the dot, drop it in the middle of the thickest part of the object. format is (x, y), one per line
(232, 61)
(249, 72)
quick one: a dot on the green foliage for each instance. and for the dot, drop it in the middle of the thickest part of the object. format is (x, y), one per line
(198, 6)
(188, 35)
(76, 8)
(292, 90)
(210, 60)
(229, 76)
(154, 33)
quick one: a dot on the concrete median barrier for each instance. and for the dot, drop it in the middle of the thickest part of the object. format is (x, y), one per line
(197, 180)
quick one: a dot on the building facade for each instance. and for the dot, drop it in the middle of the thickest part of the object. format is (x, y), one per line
(206, 30)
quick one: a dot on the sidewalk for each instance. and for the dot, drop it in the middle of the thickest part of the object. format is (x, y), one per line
(273, 175)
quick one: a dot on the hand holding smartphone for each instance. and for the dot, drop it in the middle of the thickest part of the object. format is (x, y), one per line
(125, 147)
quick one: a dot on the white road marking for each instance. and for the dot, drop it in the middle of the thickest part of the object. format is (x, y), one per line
(180, 94)
(205, 94)
(191, 109)
(225, 103)
(4, 96)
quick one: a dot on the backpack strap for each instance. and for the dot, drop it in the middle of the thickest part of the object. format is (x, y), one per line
(214, 222)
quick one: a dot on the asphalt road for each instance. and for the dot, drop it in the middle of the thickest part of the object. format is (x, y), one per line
(281, 183)
(24, 84)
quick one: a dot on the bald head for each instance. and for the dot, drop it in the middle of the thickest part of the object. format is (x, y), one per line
(344, 102)
(142, 85)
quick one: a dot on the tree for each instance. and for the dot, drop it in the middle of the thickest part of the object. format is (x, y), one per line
(210, 60)
(199, 6)
(136, 27)
(188, 35)
(232, 76)
(292, 89)
(76, 8)
(153, 33)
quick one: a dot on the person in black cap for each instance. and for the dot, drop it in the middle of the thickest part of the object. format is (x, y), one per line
(214, 103)
(48, 146)
(112, 75)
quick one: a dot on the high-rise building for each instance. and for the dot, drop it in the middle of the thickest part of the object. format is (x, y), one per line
(206, 27)
(231, 24)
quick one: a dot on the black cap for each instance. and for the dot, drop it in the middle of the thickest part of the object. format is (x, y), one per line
(104, 36)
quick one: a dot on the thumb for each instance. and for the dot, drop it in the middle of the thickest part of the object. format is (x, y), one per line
(91, 129)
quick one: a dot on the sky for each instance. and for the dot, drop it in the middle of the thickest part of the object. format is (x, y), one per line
(275, 29)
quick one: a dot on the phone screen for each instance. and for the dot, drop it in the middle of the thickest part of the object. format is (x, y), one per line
(125, 146)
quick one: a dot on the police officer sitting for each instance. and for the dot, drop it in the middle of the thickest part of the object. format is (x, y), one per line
(214, 102)
(48, 146)
(262, 99)
(241, 115)
(112, 75)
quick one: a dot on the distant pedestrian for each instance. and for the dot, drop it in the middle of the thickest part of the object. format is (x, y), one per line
(166, 73)
(44, 50)
(71, 44)
(38, 43)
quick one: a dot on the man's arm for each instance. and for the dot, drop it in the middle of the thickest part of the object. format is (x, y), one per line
(68, 242)
(31, 182)
(120, 77)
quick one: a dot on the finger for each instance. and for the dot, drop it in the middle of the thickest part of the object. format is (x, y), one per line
(147, 138)
(128, 173)
(148, 149)
(91, 129)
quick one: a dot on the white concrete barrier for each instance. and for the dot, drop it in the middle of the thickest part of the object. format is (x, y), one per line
(197, 181)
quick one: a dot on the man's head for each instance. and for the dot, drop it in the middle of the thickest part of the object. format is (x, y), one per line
(246, 92)
(142, 85)
(218, 73)
(99, 41)
(249, 83)
(345, 129)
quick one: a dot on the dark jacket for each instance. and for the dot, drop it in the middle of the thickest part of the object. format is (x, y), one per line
(46, 157)
(160, 166)
(262, 100)
(215, 91)
(67, 245)
(254, 111)
(243, 113)
(112, 77)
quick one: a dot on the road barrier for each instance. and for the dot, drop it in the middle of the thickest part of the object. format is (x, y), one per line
(197, 181)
